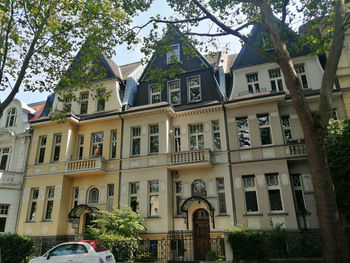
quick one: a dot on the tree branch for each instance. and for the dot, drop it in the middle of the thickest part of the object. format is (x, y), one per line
(205, 34)
(284, 14)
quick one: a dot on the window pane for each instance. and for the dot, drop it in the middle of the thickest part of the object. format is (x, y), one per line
(265, 134)
(222, 203)
(153, 205)
(154, 187)
(49, 209)
(220, 183)
(251, 201)
(275, 200)
(178, 187)
(134, 204)
(3, 162)
(134, 188)
(2, 224)
(299, 198)
(136, 146)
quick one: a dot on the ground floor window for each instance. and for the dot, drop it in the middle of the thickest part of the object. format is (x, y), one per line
(3, 216)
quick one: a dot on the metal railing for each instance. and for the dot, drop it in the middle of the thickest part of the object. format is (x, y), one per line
(194, 156)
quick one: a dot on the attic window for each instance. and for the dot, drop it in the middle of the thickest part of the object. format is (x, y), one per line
(267, 42)
(174, 55)
(154, 94)
(11, 117)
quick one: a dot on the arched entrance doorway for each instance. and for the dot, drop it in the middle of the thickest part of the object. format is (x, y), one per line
(74, 217)
(201, 234)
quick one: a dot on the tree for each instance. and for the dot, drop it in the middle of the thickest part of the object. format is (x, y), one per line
(274, 17)
(40, 39)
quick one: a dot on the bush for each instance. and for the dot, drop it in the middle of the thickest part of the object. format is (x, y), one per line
(211, 256)
(15, 248)
(145, 256)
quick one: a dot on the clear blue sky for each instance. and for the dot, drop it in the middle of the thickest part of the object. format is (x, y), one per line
(125, 56)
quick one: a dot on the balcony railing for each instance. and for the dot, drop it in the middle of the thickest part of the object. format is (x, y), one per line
(194, 156)
(96, 163)
(297, 149)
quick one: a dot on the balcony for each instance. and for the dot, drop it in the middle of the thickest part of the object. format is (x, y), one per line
(296, 149)
(191, 158)
(11, 179)
(94, 165)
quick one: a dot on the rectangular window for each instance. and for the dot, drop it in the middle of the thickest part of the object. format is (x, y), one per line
(4, 158)
(67, 106)
(220, 186)
(216, 135)
(50, 195)
(154, 93)
(298, 193)
(174, 92)
(84, 102)
(276, 80)
(113, 144)
(253, 83)
(250, 193)
(56, 147)
(300, 70)
(265, 130)
(33, 203)
(134, 196)
(110, 196)
(97, 144)
(194, 89)
(178, 197)
(135, 141)
(153, 198)
(196, 137)
(174, 54)
(154, 138)
(243, 132)
(42, 147)
(274, 191)
(11, 118)
(3, 216)
(177, 138)
(101, 99)
(75, 196)
(81, 147)
(286, 128)
(334, 114)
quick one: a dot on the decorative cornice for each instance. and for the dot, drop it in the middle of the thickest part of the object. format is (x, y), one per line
(198, 111)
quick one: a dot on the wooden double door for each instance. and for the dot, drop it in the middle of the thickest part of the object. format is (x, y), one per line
(201, 234)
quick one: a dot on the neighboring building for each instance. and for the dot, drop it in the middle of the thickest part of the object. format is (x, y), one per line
(14, 142)
(73, 168)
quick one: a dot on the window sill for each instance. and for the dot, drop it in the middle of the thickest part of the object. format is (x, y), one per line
(222, 215)
(46, 221)
(179, 216)
(153, 217)
(277, 214)
(29, 221)
(253, 214)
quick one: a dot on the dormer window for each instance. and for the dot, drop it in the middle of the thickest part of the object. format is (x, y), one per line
(276, 80)
(67, 107)
(174, 92)
(11, 117)
(174, 54)
(154, 94)
(253, 83)
(194, 89)
(84, 99)
(101, 99)
(267, 42)
(300, 70)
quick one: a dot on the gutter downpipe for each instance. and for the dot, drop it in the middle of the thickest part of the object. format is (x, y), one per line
(120, 162)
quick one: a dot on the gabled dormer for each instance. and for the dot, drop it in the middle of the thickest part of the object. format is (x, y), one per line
(253, 74)
(178, 74)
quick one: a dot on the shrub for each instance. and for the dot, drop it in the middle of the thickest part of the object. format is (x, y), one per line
(15, 248)
(145, 256)
(211, 256)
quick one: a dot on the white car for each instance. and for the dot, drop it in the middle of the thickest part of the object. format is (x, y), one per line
(78, 251)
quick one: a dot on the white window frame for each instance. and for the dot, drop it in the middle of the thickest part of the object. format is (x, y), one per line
(95, 144)
(153, 134)
(247, 187)
(6, 151)
(264, 126)
(114, 138)
(153, 194)
(273, 185)
(275, 76)
(75, 196)
(300, 70)
(34, 197)
(4, 209)
(215, 125)
(57, 141)
(110, 196)
(222, 192)
(100, 93)
(189, 87)
(171, 54)
(174, 86)
(42, 145)
(84, 99)
(177, 139)
(178, 197)
(95, 202)
(286, 127)
(80, 153)
(11, 117)
(253, 83)
(244, 129)
(197, 132)
(50, 196)
(135, 137)
(154, 90)
(67, 105)
(134, 195)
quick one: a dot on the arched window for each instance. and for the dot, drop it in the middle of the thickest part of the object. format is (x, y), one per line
(93, 196)
(199, 188)
(11, 117)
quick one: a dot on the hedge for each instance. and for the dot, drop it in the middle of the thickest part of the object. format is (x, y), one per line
(15, 248)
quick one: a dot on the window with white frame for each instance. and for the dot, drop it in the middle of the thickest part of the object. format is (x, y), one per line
(113, 144)
(4, 158)
(174, 54)
(220, 187)
(135, 141)
(196, 137)
(154, 138)
(174, 92)
(4, 209)
(251, 201)
(153, 198)
(276, 80)
(81, 147)
(50, 195)
(177, 139)
(274, 192)
(253, 83)
(11, 117)
(286, 128)
(110, 196)
(75, 196)
(243, 132)
(101, 101)
(298, 193)
(216, 135)
(134, 196)
(84, 102)
(67, 105)
(93, 196)
(33, 203)
(42, 147)
(194, 89)
(178, 197)
(265, 129)
(300, 70)
(97, 144)
(57, 138)
(155, 93)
